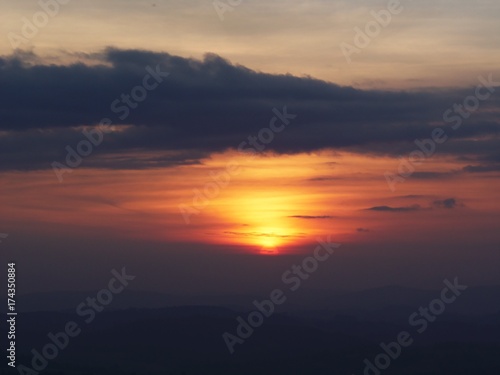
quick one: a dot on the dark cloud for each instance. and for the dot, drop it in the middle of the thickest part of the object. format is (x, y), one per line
(446, 203)
(413, 196)
(362, 230)
(432, 175)
(482, 168)
(326, 178)
(312, 217)
(260, 234)
(210, 105)
(412, 208)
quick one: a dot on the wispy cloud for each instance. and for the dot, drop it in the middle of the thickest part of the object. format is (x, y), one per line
(412, 208)
(312, 217)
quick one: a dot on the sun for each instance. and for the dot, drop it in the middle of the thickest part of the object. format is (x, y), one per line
(268, 242)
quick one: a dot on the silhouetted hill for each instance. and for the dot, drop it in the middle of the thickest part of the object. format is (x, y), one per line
(390, 302)
(189, 339)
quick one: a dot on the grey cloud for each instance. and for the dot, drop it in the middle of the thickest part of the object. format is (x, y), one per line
(412, 208)
(446, 203)
(208, 105)
(312, 217)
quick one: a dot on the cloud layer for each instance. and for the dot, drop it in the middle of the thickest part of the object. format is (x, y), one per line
(211, 105)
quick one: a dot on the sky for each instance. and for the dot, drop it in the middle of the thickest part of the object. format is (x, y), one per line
(208, 147)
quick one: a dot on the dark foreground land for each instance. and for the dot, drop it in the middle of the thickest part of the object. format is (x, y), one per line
(464, 340)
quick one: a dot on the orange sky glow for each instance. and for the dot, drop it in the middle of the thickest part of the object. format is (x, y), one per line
(274, 205)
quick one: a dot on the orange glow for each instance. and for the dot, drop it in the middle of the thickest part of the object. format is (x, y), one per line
(274, 204)
(269, 250)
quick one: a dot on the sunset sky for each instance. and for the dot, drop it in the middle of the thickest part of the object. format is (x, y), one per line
(395, 155)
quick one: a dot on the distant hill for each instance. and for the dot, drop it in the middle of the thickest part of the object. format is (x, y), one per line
(474, 301)
(188, 340)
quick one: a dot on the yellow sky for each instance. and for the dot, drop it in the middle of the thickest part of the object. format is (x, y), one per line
(430, 43)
